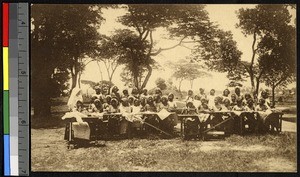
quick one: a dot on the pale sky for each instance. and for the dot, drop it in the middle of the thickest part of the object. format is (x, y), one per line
(224, 15)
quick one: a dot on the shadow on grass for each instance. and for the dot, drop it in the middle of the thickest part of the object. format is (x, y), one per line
(47, 122)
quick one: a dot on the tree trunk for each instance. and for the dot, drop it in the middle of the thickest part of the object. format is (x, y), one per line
(257, 86)
(101, 76)
(252, 83)
(251, 73)
(273, 95)
(41, 97)
(79, 79)
(179, 88)
(136, 82)
(74, 73)
(147, 77)
(74, 80)
(191, 82)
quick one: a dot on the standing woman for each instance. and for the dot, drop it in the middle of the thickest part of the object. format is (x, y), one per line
(211, 98)
(76, 96)
(190, 96)
(115, 93)
(226, 93)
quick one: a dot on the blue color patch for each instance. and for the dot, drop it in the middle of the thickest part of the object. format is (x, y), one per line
(6, 156)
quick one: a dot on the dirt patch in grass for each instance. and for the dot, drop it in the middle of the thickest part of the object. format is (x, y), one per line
(277, 165)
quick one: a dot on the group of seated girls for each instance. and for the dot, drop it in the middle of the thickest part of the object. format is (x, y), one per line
(136, 101)
(129, 103)
(226, 102)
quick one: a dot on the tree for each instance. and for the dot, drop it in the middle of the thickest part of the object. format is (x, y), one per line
(221, 54)
(278, 58)
(133, 55)
(108, 52)
(261, 22)
(181, 21)
(62, 35)
(187, 71)
(161, 83)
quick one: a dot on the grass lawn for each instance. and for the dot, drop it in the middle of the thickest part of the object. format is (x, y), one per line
(245, 154)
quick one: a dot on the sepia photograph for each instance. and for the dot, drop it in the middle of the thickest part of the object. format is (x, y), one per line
(163, 87)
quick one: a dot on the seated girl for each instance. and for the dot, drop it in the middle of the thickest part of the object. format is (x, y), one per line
(164, 103)
(113, 107)
(190, 108)
(96, 106)
(125, 107)
(130, 100)
(125, 93)
(172, 104)
(211, 97)
(217, 105)
(136, 108)
(239, 105)
(250, 105)
(106, 102)
(157, 102)
(233, 100)
(135, 93)
(204, 105)
(261, 105)
(197, 102)
(226, 105)
(143, 101)
(190, 96)
(144, 93)
(247, 97)
(150, 106)
(226, 93)
(79, 107)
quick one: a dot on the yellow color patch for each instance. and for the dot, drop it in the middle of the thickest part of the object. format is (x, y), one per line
(5, 69)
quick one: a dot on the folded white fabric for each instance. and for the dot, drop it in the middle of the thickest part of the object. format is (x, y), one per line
(81, 130)
(162, 114)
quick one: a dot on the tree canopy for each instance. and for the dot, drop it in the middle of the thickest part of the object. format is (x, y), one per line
(272, 33)
(61, 36)
(181, 21)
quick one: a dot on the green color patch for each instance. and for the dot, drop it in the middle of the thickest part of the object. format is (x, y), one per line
(6, 111)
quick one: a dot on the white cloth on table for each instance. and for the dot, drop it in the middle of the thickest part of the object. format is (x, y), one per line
(81, 129)
(129, 116)
(203, 117)
(162, 114)
(265, 114)
(238, 113)
(75, 114)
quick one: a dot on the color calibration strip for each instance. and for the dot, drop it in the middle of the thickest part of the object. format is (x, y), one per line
(5, 45)
(16, 88)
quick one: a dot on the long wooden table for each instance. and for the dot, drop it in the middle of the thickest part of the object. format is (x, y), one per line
(240, 118)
